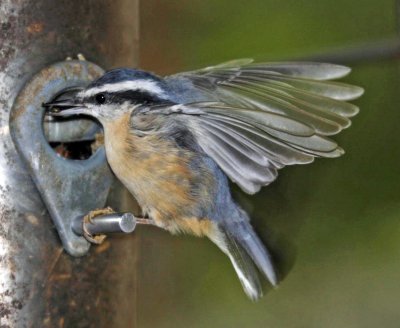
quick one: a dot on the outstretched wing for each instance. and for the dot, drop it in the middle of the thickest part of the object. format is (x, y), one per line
(261, 117)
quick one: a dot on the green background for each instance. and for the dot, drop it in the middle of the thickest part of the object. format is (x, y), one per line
(333, 225)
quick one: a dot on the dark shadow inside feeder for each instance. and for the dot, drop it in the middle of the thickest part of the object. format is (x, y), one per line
(75, 137)
(79, 150)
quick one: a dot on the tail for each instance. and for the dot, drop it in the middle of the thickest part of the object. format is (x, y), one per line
(241, 244)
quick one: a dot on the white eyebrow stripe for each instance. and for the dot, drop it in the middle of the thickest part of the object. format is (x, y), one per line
(141, 85)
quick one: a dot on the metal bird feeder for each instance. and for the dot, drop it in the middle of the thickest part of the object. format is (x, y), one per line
(42, 193)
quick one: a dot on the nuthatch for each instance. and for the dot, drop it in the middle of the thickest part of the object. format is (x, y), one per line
(173, 142)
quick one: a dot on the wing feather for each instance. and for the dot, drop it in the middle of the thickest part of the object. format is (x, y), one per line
(309, 70)
(275, 149)
(255, 99)
(255, 118)
(230, 169)
(343, 122)
(279, 89)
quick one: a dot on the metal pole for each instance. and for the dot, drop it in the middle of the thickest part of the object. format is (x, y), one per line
(103, 224)
(40, 285)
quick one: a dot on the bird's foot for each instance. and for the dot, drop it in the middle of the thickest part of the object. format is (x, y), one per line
(88, 218)
(79, 56)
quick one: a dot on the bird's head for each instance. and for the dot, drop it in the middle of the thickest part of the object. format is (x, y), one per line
(116, 92)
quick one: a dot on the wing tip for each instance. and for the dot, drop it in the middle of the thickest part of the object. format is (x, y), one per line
(341, 71)
(310, 69)
(357, 93)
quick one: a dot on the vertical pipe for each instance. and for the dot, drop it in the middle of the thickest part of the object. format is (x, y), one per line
(40, 285)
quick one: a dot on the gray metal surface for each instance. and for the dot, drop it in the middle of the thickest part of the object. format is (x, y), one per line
(41, 285)
(69, 188)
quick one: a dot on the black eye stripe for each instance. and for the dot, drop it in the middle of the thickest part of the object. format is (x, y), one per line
(133, 96)
(137, 96)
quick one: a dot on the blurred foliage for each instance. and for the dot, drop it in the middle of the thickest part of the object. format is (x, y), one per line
(335, 223)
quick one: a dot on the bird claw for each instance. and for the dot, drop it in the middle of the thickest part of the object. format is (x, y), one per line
(79, 56)
(88, 218)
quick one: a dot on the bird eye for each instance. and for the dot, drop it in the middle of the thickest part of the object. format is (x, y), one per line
(100, 98)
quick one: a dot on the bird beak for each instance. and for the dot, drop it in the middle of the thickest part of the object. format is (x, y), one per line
(64, 108)
(66, 104)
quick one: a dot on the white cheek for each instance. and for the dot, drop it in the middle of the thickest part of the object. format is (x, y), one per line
(93, 110)
(106, 113)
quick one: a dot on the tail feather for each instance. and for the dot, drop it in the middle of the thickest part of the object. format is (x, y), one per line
(235, 236)
(248, 239)
(244, 268)
(246, 251)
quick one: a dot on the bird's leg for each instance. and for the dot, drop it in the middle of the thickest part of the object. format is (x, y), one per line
(88, 218)
(146, 221)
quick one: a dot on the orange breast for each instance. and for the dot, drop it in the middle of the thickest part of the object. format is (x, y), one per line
(155, 171)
